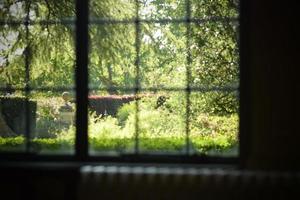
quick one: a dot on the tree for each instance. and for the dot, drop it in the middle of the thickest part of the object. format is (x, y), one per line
(112, 32)
(50, 46)
(215, 54)
(213, 47)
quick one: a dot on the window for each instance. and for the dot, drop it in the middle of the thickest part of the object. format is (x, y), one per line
(118, 80)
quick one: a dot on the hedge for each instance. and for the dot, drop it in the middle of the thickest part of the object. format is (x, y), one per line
(110, 104)
(13, 110)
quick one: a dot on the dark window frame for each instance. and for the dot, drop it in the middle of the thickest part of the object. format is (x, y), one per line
(81, 77)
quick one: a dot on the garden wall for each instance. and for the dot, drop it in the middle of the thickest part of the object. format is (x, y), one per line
(109, 104)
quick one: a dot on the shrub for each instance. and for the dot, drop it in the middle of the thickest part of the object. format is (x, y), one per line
(124, 112)
(214, 125)
(47, 116)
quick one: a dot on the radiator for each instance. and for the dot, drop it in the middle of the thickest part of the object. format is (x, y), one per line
(152, 182)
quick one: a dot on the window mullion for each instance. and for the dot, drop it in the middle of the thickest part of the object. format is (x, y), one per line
(188, 75)
(81, 73)
(137, 77)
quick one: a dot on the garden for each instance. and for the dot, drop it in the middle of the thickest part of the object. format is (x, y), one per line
(187, 78)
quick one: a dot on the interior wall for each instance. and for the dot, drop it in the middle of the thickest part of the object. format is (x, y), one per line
(272, 51)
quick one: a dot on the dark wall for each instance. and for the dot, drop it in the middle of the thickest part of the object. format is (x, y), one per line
(270, 57)
(38, 182)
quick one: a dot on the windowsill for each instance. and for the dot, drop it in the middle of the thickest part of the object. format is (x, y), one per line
(73, 165)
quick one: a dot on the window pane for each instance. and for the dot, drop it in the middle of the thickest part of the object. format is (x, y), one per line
(52, 57)
(163, 55)
(37, 62)
(112, 57)
(214, 52)
(220, 8)
(50, 117)
(149, 57)
(13, 109)
(162, 122)
(168, 9)
(12, 10)
(111, 122)
(53, 10)
(55, 118)
(12, 62)
(13, 119)
(38, 10)
(112, 9)
(214, 123)
(161, 49)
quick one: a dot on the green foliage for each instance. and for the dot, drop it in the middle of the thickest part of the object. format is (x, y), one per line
(52, 145)
(105, 134)
(12, 143)
(47, 115)
(208, 8)
(161, 129)
(216, 103)
(50, 48)
(104, 127)
(162, 60)
(124, 112)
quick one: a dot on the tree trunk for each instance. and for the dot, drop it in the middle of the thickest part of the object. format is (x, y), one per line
(110, 89)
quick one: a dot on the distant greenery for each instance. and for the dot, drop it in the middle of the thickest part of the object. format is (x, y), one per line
(161, 129)
(212, 65)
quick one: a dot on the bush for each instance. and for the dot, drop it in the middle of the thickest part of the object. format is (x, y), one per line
(215, 103)
(47, 116)
(124, 112)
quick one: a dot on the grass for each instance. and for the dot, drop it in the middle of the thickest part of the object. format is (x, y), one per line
(200, 145)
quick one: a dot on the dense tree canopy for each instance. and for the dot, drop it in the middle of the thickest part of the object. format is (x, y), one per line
(163, 46)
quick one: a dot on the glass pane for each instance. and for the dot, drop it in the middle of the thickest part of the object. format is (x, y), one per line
(13, 120)
(162, 122)
(12, 10)
(38, 10)
(112, 57)
(167, 9)
(52, 58)
(112, 9)
(214, 123)
(163, 55)
(219, 8)
(215, 57)
(53, 10)
(13, 117)
(12, 62)
(55, 118)
(111, 122)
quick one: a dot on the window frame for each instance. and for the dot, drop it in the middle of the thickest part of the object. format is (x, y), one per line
(81, 148)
